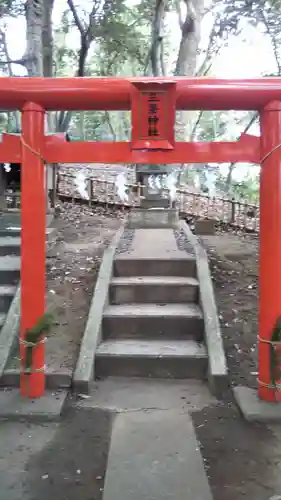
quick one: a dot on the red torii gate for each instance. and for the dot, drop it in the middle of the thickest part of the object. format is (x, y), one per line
(153, 103)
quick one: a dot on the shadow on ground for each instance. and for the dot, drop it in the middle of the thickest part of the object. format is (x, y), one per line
(75, 461)
(242, 459)
(65, 461)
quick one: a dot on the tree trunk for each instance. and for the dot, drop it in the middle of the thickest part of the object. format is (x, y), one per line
(13, 116)
(157, 35)
(190, 36)
(228, 180)
(187, 54)
(47, 53)
(34, 29)
(86, 36)
(47, 39)
(39, 30)
(187, 57)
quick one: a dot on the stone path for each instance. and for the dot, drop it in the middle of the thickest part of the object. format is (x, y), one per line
(154, 453)
(154, 243)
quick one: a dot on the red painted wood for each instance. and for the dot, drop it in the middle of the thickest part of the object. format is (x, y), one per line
(33, 222)
(114, 93)
(56, 149)
(153, 115)
(247, 149)
(270, 240)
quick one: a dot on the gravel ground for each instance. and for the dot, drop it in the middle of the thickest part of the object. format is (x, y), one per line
(182, 241)
(125, 241)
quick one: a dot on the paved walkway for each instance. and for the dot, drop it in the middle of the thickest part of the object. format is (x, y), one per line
(154, 243)
(154, 455)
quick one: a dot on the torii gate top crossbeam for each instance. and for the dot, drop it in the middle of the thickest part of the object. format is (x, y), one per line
(114, 93)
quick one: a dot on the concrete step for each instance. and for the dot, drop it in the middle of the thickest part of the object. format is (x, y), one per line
(157, 218)
(10, 224)
(10, 245)
(9, 270)
(124, 265)
(14, 230)
(6, 296)
(151, 358)
(6, 232)
(153, 321)
(155, 203)
(153, 289)
(155, 455)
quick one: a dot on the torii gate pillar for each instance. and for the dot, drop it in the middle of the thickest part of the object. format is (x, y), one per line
(270, 241)
(33, 223)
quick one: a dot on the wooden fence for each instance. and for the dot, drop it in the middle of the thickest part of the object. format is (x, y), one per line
(236, 213)
(230, 211)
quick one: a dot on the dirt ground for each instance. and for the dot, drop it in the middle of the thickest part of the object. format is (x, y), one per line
(243, 460)
(234, 267)
(72, 268)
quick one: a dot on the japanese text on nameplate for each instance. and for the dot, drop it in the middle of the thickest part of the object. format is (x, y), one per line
(153, 115)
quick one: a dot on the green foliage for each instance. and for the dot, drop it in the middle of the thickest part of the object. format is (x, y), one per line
(221, 125)
(33, 335)
(123, 48)
(121, 40)
(101, 125)
(245, 190)
(262, 13)
(275, 4)
(3, 123)
(11, 8)
(8, 122)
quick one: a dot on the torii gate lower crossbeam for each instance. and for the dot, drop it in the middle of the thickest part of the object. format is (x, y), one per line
(152, 142)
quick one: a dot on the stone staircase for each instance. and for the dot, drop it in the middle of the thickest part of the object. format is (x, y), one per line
(10, 250)
(9, 268)
(153, 325)
(157, 321)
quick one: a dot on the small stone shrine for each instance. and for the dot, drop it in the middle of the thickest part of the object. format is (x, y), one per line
(153, 192)
(155, 207)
